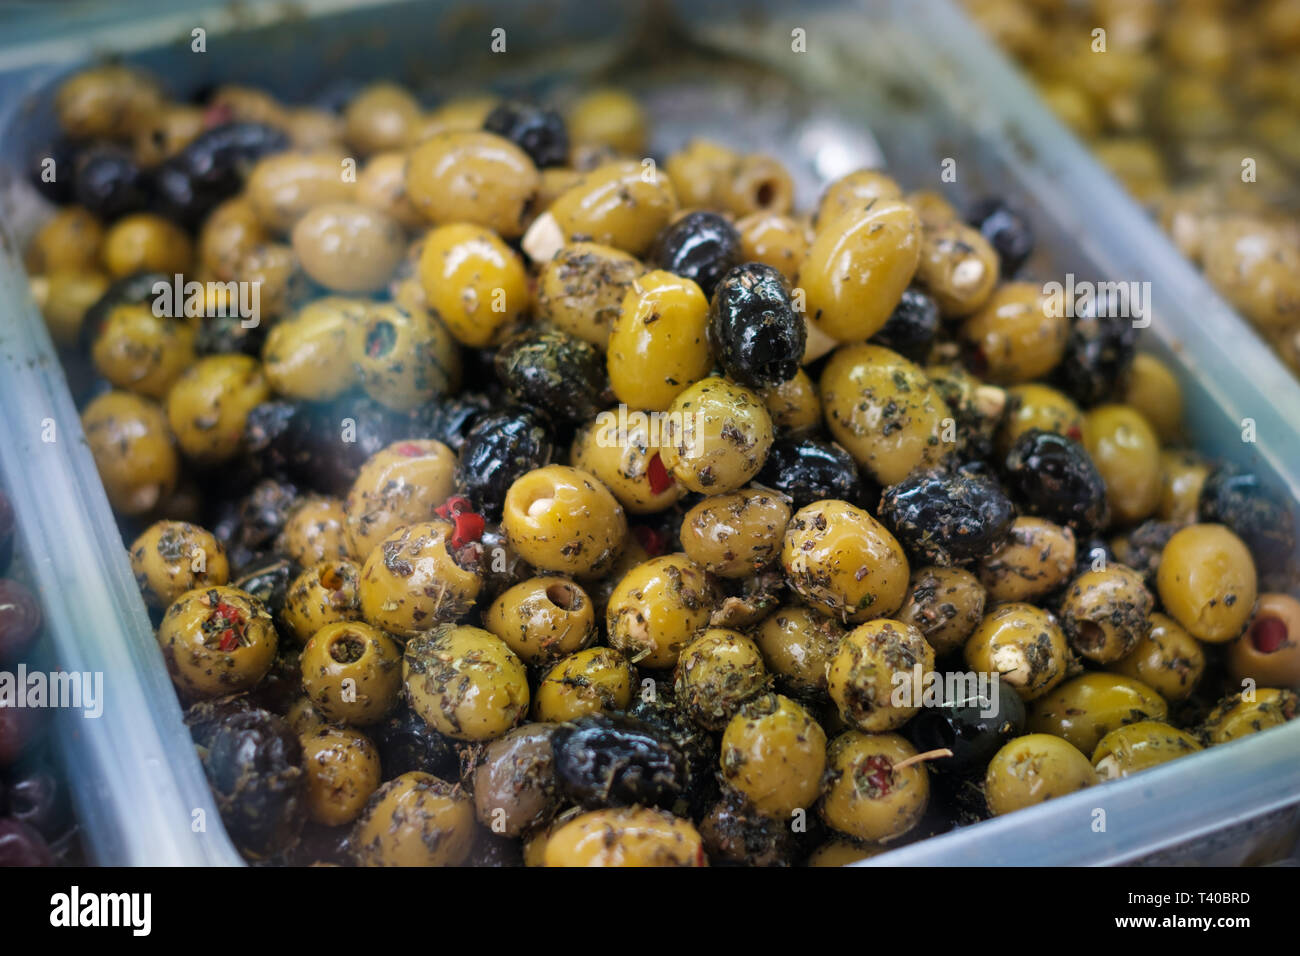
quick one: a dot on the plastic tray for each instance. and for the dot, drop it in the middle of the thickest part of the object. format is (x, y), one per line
(912, 82)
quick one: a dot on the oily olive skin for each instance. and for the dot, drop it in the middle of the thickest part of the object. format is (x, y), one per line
(414, 820)
(465, 682)
(947, 519)
(134, 451)
(216, 641)
(625, 836)
(172, 557)
(1098, 355)
(555, 371)
(863, 675)
(1008, 231)
(753, 328)
(869, 797)
(774, 754)
(1105, 613)
(911, 327)
(581, 290)
(1054, 478)
(1023, 644)
(1206, 582)
(700, 246)
(538, 131)
(543, 619)
(605, 760)
(589, 681)
(515, 787)
(1255, 513)
(342, 768)
(737, 534)
(716, 673)
(564, 520)
(656, 609)
(1269, 650)
(658, 344)
(1168, 660)
(974, 728)
(352, 673)
(473, 281)
(1085, 709)
(1235, 717)
(1034, 768)
(945, 604)
(809, 469)
(1136, 747)
(797, 645)
(735, 833)
(716, 436)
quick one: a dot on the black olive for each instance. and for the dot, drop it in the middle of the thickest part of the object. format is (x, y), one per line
(607, 760)
(1006, 229)
(110, 183)
(808, 470)
(332, 440)
(263, 512)
(449, 418)
(493, 850)
(320, 844)
(406, 743)
(1239, 499)
(269, 447)
(20, 845)
(1098, 353)
(134, 289)
(754, 331)
(700, 246)
(1141, 548)
(1054, 478)
(268, 580)
(911, 327)
(211, 169)
(947, 519)
(539, 132)
(973, 726)
(554, 371)
(50, 170)
(499, 448)
(698, 746)
(254, 763)
(6, 531)
(205, 716)
(38, 799)
(734, 833)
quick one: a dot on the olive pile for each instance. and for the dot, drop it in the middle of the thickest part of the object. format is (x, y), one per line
(1191, 105)
(36, 823)
(556, 513)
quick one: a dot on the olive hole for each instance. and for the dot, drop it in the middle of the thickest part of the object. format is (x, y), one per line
(563, 596)
(330, 579)
(1091, 634)
(380, 339)
(765, 193)
(347, 649)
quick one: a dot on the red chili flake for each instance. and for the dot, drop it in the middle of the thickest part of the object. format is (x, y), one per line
(650, 539)
(454, 506)
(409, 449)
(878, 772)
(469, 527)
(228, 640)
(1074, 432)
(660, 480)
(1268, 635)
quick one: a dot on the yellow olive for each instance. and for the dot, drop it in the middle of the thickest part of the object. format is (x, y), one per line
(798, 645)
(1021, 643)
(1105, 613)
(543, 619)
(381, 185)
(562, 519)
(71, 239)
(1037, 406)
(623, 204)
(839, 851)
(1015, 337)
(843, 562)
(1182, 475)
(133, 449)
(945, 604)
(755, 184)
(625, 836)
(106, 102)
(1034, 768)
(403, 357)
(63, 296)
(348, 247)
(209, 405)
(716, 436)
(1087, 708)
(465, 682)
(870, 797)
(1235, 716)
(1269, 651)
(857, 268)
(737, 534)
(617, 448)
(411, 581)
(283, 186)
(231, 232)
(1126, 451)
(716, 673)
(352, 672)
(658, 345)
(958, 266)
(472, 177)
(582, 289)
(608, 117)
(325, 593)
(306, 356)
(1135, 747)
(172, 557)
(1154, 392)
(1036, 559)
(216, 641)
(875, 676)
(474, 282)
(591, 681)
(657, 607)
(771, 238)
(774, 753)
(382, 116)
(342, 772)
(794, 405)
(415, 820)
(143, 242)
(856, 191)
(143, 352)
(698, 170)
(884, 411)
(1168, 660)
(1206, 580)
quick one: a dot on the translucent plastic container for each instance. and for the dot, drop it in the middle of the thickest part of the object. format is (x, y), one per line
(910, 83)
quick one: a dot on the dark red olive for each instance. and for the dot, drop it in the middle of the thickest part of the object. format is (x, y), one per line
(20, 620)
(20, 727)
(20, 845)
(38, 799)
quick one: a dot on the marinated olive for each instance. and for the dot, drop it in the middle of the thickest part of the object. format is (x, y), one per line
(1015, 337)
(415, 820)
(1136, 747)
(351, 672)
(959, 267)
(945, 605)
(1006, 229)
(562, 519)
(871, 796)
(581, 290)
(947, 519)
(1269, 651)
(209, 405)
(142, 352)
(1105, 613)
(325, 593)
(1056, 479)
(342, 769)
(911, 327)
(770, 238)
(700, 246)
(618, 449)
(794, 405)
(543, 619)
(734, 832)
(657, 607)
(844, 562)
(1126, 452)
(216, 641)
(798, 645)
(1034, 768)
(403, 357)
(657, 346)
(588, 682)
(1240, 500)
(884, 411)
(716, 436)
(315, 530)
(283, 187)
(555, 371)
(516, 789)
(874, 662)
(808, 470)
(172, 557)
(1235, 716)
(774, 753)
(500, 448)
(1206, 581)
(108, 182)
(212, 168)
(348, 247)
(1098, 355)
(1022, 644)
(974, 726)
(465, 682)
(537, 131)
(615, 204)
(753, 329)
(1034, 406)
(146, 243)
(737, 534)
(1151, 388)
(612, 761)
(407, 743)
(1087, 708)
(716, 673)
(626, 836)
(398, 486)
(412, 580)
(473, 281)
(306, 355)
(1183, 475)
